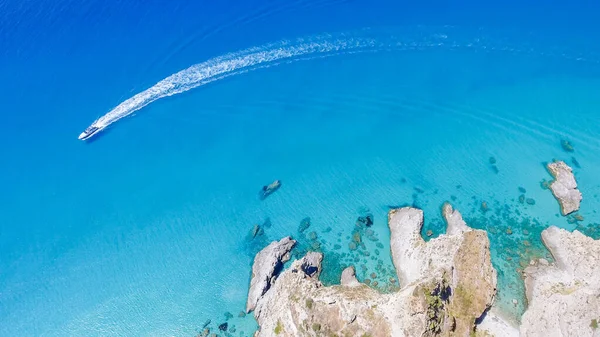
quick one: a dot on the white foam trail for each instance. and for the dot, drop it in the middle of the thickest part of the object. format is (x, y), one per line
(228, 65)
(291, 51)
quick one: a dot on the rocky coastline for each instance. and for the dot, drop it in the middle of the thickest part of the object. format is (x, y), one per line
(443, 285)
(447, 288)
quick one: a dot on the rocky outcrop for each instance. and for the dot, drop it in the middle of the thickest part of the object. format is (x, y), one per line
(264, 270)
(461, 257)
(456, 224)
(564, 187)
(447, 283)
(564, 296)
(349, 277)
(299, 305)
(494, 325)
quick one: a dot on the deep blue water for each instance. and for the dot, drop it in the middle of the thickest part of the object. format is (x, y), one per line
(143, 231)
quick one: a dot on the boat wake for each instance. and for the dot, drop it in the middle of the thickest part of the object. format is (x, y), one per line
(232, 64)
(320, 46)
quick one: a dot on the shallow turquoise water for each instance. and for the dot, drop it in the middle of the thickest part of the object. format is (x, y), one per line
(161, 245)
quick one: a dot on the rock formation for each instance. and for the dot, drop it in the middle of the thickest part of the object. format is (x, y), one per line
(349, 277)
(267, 190)
(456, 224)
(264, 270)
(564, 296)
(564, 187)
(447, 283)
(462, 257)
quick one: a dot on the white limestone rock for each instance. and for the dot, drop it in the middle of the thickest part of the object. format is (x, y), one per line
(456, 224)
(412, 257)
(348, 278)
(564, 296)
(497, 326)
(299, 305)
(266, 262)
(564, 187)
(447, 284)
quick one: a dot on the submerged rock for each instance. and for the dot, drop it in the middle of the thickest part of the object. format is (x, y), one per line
(304, 224)
(365, 221)
(267, 190)
(545, 184)
(566, 145)
(564, 187)
(264, 270)
(564, 297)
(267, 223)
(256, 230)
(447, 284)
(356, 237)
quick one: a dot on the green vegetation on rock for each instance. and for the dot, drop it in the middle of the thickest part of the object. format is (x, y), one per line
(436, 297)
(278, 328)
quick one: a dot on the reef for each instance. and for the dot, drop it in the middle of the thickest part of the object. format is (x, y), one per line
(447, 285)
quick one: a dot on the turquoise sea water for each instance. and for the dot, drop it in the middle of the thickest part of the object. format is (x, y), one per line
(144, 231)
